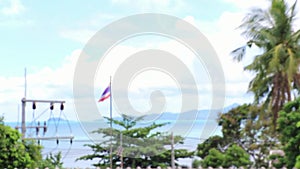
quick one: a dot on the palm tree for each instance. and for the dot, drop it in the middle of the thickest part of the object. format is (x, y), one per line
(277, 73)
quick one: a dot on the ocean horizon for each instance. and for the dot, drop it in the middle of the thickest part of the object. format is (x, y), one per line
(194, 131)
(70, 152)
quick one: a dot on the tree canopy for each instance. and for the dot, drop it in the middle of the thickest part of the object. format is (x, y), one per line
(233, 156)
(246, 126)
(289, 128)
(13, 151)
(142, 146)
(276, 69)
(242, 126)
(18, 153)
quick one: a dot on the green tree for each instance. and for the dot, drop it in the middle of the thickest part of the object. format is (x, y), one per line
(212, 142)
(196, 163)
(233, 156)
(289, 129)
(237, 157)
(56, 159)
(297, 165)
(34, 150)
(18, 153)
(214, 159)
(277, 160)
(276, 69)
(142, 146)
(13, 151)
(246, 126)
(52, 161)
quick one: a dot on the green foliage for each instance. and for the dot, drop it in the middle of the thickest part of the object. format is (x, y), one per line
(277, 78)
(276, 69)
(297, 165)
(289, 131)
(214, 159)
(18, 153)
(33, 150)
(196, 163)
(231, 123)
(57, 160)
(212, 142)
(52, 161)
(248, 127)
(236, 156)
(233, 156)
(244, 129)
(13, 151)
(141, 145)
(277, 160)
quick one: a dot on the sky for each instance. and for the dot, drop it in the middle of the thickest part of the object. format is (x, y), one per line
(48, 37)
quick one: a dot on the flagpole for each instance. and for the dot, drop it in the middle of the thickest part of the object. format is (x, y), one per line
(110, 107)
(121, 143)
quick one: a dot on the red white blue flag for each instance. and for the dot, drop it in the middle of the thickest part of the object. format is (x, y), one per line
(105, 95)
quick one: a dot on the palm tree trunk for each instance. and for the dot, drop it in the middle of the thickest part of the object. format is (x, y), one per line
(281, 93)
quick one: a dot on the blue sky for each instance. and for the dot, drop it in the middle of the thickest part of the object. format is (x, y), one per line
(47, 37)
(33, 35)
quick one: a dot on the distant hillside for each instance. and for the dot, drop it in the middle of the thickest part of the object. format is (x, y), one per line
(192, 114)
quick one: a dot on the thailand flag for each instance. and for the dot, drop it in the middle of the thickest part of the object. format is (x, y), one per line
(105, 95)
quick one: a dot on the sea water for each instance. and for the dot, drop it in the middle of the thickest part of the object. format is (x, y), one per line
(198, 131)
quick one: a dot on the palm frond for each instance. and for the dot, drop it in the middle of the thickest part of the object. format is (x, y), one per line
(276, 68)
(293, 12)
(295, 37)
(274, 64)
(291, 65)
(239, 53)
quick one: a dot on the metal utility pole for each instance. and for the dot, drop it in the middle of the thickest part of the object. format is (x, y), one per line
(110, 107)
(23, 124)
(172, 151)
(23, 118)
(24, 105)
(121, 146)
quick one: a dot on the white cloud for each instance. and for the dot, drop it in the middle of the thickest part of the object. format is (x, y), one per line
(221, 32)
(225, 37)
(47, 83)
(11, 14)
(15, 7)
